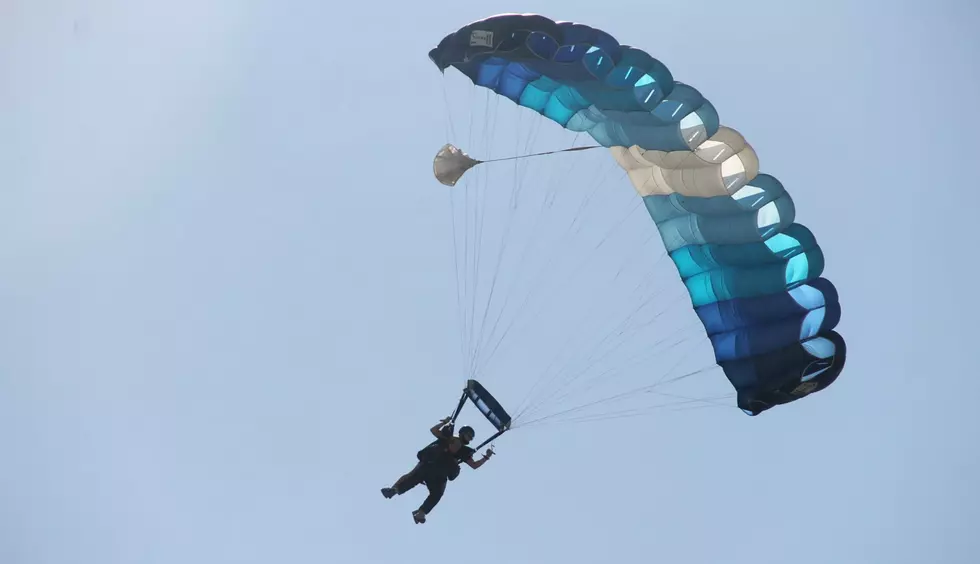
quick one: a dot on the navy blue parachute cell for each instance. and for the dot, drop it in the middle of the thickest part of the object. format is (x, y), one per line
(752, 272)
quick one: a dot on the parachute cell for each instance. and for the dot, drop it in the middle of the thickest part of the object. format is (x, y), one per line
(752, 272)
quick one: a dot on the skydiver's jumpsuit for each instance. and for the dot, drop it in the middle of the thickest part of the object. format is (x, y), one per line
(432, 475)
(435, 463)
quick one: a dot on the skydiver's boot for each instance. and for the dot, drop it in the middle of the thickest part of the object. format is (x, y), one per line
(419, 516)
(389, 492)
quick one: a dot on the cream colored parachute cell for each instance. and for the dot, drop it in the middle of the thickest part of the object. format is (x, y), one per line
(719, 166)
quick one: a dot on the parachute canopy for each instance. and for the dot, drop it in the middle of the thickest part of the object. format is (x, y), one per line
(752, 272)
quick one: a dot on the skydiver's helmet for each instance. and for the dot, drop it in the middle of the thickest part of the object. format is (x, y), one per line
(466, 434)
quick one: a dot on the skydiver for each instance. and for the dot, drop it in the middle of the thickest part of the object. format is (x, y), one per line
(438, 463)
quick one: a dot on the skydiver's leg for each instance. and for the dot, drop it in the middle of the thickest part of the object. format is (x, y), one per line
(405, 483)
(437, 487)
(414, 477)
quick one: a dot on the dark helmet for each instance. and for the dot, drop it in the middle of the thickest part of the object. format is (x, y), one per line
(466, 433)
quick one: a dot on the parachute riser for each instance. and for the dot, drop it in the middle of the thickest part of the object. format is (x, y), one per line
(459, 407)
(490, 439)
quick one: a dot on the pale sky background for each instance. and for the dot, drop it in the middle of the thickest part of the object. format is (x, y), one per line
(228, 316)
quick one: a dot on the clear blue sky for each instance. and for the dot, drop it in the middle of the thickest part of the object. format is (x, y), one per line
(227, 314)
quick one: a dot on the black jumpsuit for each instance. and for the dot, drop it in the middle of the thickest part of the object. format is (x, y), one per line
(433, 469)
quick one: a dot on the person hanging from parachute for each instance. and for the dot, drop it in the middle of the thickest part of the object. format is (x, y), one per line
(752, 272)
(438, 462)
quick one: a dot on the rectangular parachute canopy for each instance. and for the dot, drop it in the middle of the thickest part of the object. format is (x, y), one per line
(488, 405)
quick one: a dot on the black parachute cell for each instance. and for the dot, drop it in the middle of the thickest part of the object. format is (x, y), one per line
(787, 374)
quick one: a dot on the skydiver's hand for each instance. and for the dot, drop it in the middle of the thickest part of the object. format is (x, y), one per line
(489, 453)
(446, 420)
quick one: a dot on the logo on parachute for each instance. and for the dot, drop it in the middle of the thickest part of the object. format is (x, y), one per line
(804, 388)
(480, 38)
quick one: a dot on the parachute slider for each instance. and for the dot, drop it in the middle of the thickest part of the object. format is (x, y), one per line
(451, 162)
(487, 405)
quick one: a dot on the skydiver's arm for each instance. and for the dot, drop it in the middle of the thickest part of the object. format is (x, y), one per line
(436, 430)
(474, 464)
